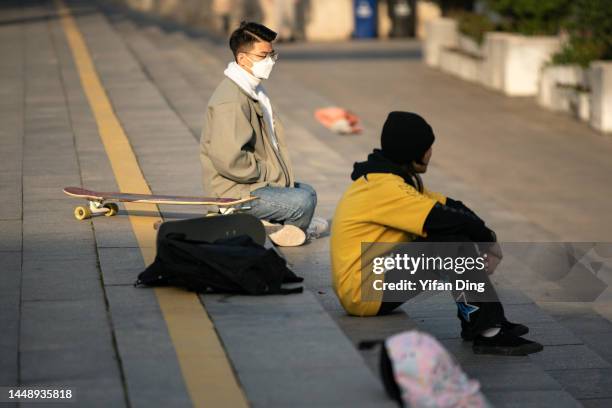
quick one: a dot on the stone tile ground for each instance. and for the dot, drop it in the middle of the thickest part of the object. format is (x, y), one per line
(66, 302)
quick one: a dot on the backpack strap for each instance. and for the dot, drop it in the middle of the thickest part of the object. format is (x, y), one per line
(284, 291)
(369, 344)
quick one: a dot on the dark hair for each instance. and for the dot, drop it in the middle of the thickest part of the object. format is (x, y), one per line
(248, 33)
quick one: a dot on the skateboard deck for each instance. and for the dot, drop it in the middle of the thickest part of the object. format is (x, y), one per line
(210, 229)
(105, 202)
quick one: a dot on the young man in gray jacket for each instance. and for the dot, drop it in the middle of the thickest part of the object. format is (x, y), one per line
(243, 149)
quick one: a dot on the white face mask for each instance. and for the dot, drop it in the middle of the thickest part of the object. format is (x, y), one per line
(262, 69)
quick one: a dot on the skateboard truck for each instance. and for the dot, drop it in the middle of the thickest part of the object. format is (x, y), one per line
(95, 207)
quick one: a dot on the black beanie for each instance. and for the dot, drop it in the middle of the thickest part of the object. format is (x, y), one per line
(405, 137)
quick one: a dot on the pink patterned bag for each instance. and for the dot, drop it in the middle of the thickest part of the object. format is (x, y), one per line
(420, 373)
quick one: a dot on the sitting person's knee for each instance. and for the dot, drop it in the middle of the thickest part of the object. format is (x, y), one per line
(305, 199)
(309, 189)
(303, 203)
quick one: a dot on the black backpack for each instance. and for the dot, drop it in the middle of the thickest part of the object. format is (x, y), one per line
(230, 265)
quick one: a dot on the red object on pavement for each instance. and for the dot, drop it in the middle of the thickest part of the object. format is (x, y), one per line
(338, 120)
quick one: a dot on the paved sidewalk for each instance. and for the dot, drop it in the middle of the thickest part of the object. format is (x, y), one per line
(70, 313)
(327, 170)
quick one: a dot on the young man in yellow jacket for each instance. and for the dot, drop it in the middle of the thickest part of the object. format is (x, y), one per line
(387, 203)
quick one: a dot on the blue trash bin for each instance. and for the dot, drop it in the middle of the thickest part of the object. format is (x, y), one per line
(365, 18)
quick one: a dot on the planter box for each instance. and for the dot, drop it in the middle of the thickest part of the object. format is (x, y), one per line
(524, 58)
(494, 52)
(440, 33)
(513, 62)
(580, 104)
(561, 87)
(600, 77)
(461, 64)
(469, 46)
(573, 101)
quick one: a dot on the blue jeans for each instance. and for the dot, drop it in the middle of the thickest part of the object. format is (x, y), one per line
(286, 205)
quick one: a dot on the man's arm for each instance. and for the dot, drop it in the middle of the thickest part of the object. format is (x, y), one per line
(441, 198)
(444, 219)
(402, 207)
(458, 205)
(231, 132)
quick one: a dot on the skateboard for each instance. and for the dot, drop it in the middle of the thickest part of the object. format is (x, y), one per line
(105, 202)
(210, 229)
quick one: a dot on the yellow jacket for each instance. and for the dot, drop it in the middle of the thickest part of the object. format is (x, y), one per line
(378, 208)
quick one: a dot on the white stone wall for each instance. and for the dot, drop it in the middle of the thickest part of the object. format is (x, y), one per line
(524, 59)
(494, 65)
(440, 33)
(511, 62)
(554, 82)
(465, 66)
(601, 95)
(469, 45)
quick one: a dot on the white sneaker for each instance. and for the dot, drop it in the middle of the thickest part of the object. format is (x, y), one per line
(318, 226)
(284, 235)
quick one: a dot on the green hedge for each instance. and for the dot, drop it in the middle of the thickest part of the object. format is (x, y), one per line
(532, 17)
(587, 22)
(473, 25)
(590, 31)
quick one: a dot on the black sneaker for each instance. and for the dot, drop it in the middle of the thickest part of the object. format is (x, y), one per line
(505, 344)
(516, 329)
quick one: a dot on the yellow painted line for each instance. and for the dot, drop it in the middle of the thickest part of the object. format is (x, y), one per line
(204, 364)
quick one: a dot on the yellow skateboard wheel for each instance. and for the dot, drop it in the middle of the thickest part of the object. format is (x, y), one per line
(113, 209)
(82, 213)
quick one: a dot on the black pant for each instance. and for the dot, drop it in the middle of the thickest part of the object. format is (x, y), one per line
(474, 314)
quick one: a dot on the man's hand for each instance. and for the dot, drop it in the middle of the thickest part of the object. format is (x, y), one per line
(495, 250)
(491, 262)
